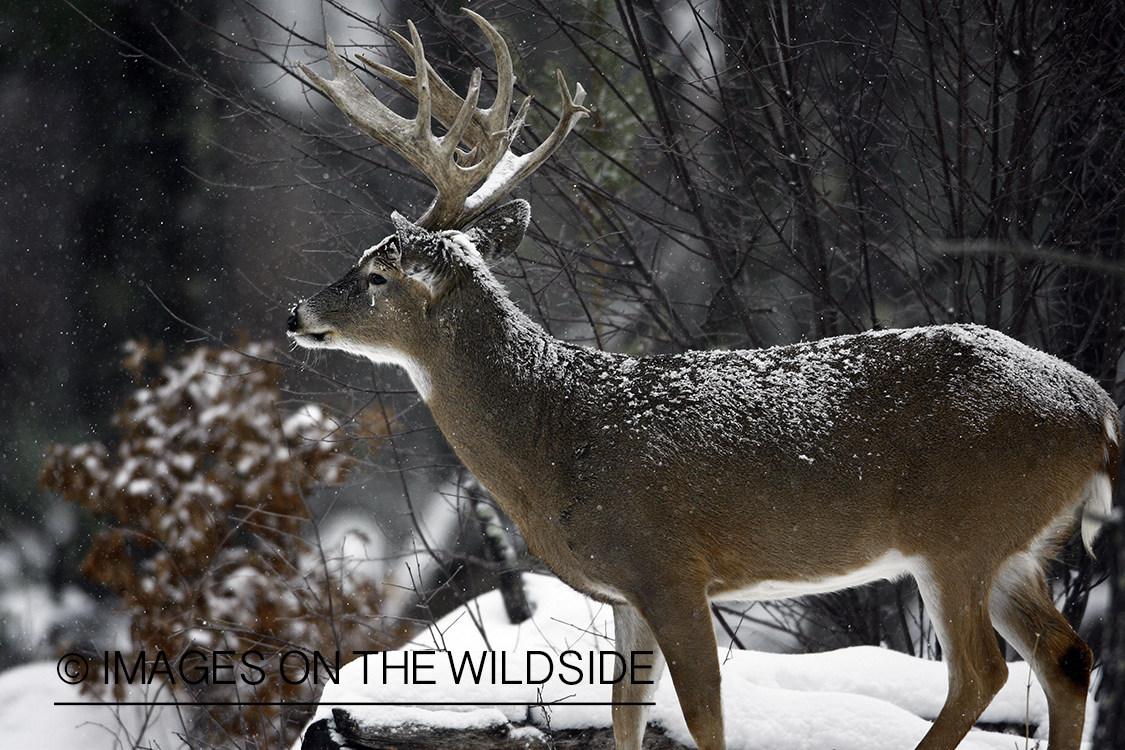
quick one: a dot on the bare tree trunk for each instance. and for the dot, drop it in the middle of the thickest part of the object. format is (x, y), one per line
(1110, 732)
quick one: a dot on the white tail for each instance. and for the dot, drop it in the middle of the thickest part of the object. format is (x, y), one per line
(951, 453)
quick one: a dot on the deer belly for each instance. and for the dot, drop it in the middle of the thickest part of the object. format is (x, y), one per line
(889, 566)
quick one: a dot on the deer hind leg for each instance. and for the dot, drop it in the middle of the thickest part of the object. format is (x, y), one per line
(957, 602)
(680, 619)
(1025, 615)
(631, 635)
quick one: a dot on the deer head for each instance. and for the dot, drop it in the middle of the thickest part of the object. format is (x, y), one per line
(374, 310)
(472, 168)
(950, 453)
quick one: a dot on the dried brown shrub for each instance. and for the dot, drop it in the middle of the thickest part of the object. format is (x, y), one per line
(208, 543)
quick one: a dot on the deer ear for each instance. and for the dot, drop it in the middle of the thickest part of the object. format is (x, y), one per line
(422, 254)
(500, 231)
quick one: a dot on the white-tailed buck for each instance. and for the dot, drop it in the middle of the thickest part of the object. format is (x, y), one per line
(950, 453)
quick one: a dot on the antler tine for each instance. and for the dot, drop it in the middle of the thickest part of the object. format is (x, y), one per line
(413, 138)
(497, 115)
(512, 169)
(409, 138)
(454, 171)
(446, 102)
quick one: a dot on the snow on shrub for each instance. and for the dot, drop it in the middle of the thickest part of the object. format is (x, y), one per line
(207, 542)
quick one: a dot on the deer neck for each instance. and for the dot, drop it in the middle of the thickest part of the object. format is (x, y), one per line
(499, 386)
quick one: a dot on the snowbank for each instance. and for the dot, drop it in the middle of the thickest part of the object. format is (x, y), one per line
(29, 717)
(473, 669)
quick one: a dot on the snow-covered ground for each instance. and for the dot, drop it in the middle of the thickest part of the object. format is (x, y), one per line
(862, 698)
(30, 718)
(857, 698)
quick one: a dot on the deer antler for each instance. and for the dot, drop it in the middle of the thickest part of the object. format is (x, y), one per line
(455, 171)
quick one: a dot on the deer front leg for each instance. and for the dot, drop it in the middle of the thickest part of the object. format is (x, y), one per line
(632, 635)
(681, 622)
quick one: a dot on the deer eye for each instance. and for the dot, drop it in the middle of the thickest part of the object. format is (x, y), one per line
(375, 279)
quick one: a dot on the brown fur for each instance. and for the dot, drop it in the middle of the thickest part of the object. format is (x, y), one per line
(655, 483)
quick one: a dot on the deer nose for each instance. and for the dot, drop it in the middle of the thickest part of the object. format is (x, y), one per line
(294, 322)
